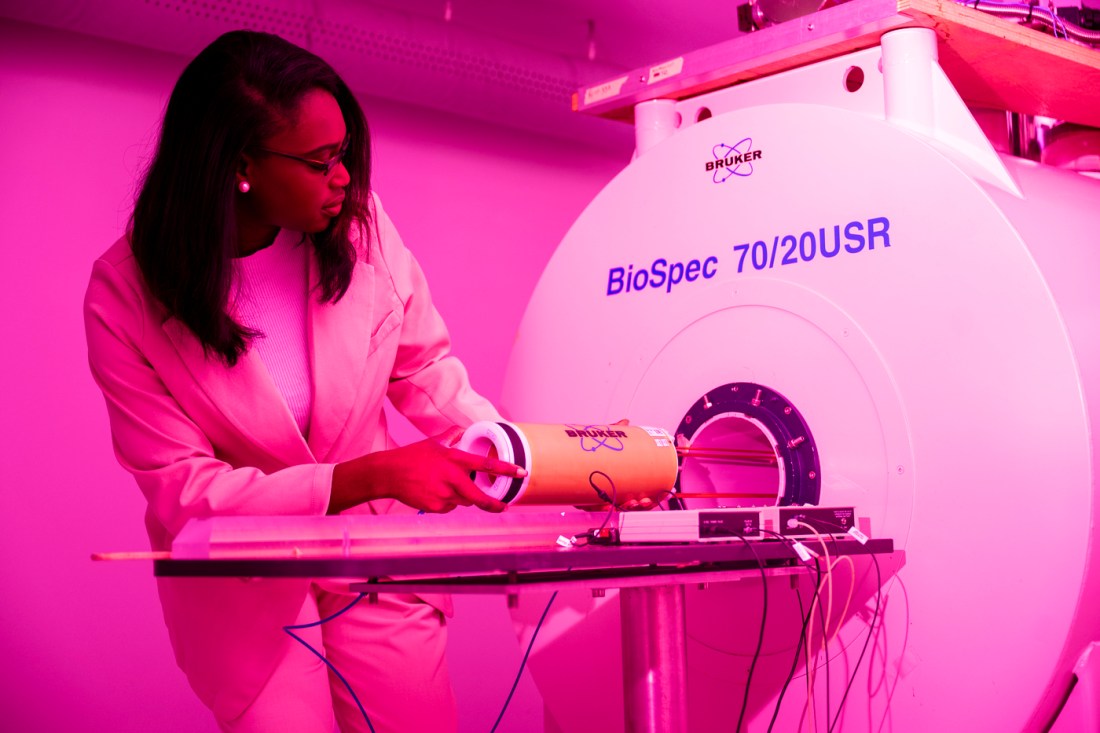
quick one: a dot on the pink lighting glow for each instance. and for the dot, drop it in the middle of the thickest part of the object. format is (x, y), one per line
(923, 302)
(483, 206)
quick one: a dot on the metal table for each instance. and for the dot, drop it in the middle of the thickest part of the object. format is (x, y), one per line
(650, 577)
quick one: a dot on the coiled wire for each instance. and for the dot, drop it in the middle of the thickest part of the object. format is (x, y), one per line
(1035, 13)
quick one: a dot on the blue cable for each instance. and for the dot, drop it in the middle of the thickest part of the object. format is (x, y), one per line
(319, 655)
(524, 662)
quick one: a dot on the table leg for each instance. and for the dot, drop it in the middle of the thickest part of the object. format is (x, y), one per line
(654, 659)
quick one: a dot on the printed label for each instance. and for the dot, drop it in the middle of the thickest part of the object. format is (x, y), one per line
(784, 250)
(660, 274)
(604, 91)
(594, 437)
(824, 243)
(665, 70)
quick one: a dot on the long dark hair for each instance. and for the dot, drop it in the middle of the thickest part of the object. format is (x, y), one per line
(183, 231)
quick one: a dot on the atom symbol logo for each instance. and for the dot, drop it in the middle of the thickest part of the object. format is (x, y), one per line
(593, 444)
(725, 152)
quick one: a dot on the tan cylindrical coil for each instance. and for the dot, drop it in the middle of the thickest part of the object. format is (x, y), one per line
(627, 465)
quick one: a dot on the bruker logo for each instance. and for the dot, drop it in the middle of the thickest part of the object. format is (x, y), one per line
(594, 437)
(733, 160)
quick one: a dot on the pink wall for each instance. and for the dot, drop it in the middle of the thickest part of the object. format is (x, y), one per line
(84, 645)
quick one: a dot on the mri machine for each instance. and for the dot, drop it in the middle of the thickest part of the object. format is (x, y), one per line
(824, 250)
(832, 260)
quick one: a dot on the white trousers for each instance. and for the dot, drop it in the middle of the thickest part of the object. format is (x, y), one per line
(391, 653)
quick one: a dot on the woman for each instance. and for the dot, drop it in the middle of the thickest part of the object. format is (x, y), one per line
(245, 332)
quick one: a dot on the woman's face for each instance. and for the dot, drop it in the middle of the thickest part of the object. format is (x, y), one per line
(287, 193)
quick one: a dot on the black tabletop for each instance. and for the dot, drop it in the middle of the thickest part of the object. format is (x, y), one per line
(458, 565)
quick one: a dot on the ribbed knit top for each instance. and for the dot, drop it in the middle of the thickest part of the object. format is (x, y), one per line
(271, 289)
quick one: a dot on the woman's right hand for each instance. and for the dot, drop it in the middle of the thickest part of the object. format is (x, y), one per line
(429, 475)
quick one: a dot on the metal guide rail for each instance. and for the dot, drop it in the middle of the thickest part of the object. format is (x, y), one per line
(503, 569)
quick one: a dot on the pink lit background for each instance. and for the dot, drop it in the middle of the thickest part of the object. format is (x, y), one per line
(977, 346)
(483, 203)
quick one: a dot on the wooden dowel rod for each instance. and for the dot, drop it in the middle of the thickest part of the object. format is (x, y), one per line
(146, 555)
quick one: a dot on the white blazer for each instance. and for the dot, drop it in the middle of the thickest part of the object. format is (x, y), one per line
(203, 439)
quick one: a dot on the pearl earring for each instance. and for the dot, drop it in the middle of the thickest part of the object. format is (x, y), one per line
(243, 186)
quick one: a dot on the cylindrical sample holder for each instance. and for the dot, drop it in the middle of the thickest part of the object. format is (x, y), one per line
(626, 465)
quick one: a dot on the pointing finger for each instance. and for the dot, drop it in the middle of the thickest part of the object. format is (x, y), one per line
(497, 467)
(486, 464)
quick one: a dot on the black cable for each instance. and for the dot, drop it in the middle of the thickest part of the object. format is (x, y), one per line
(906, 625)
(825, 632)
(870, 633)
(603, 496)
(825, 644)
(319, 655)
(825, 649)
(809, 647)
(802, 635)
(523, 663)
(798, 646)
(824, 635)
(760, 639)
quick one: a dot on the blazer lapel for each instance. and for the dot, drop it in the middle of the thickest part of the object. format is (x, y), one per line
(339, 341)
(245, 394)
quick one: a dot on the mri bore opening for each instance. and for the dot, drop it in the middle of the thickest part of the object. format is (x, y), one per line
(732, 461)
(745, 444)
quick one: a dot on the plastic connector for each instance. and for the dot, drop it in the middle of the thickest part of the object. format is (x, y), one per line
(603, 536)
(804, 553)
(858, 536)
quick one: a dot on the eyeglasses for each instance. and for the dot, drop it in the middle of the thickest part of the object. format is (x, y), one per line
(323, 167)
